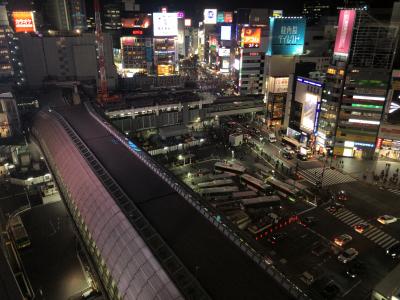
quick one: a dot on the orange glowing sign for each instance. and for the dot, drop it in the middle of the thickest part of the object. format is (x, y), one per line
(165, 70)
(23, 21)
(251, 37)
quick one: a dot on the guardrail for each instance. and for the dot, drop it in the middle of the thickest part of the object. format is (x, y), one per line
(208, 213)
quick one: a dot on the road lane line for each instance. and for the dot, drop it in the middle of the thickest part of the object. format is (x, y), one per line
(392, 244)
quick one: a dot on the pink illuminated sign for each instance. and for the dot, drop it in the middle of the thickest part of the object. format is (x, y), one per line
(344, 32)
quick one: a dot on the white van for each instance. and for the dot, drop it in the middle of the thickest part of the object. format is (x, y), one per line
(271, 137)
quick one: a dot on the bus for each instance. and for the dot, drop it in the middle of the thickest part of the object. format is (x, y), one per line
(214, 183)
(211, 177)
(264, 201)
(284, 189)
(295, 144)
(220, 167)
(244, 194)
(19, 233)
(255, 183)
(221, 190)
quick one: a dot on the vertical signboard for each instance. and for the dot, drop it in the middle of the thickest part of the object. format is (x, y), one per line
(220, 17)
(344, 32)
(228, 17)
(286, 36)
(225, 32)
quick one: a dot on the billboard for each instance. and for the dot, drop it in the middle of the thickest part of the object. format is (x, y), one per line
(188, 22)
(136, 22)
(210, 16)
(286, 36)
(180, 14)
(225, 64)
(165, 70)
(23, 21)
(165, 24)
(225, 33)
(220, 17)
(250, 37)
(344, 32)
(223, 52)
(228, 17)
(277, 13)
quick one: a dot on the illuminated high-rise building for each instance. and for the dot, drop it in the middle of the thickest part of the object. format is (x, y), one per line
(356, 85)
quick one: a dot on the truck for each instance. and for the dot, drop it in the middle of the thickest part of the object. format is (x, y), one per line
(271, 137)
(235, 139)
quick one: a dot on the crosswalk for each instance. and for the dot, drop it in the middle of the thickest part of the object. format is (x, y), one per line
(372, 233)
(394, 191)
(331, 176)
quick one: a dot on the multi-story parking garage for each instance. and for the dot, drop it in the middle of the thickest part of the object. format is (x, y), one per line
(149, 236)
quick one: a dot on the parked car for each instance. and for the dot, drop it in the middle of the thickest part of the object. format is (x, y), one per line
(348, 255)
(319, 249)
(394, 251)
(302, 156)
(334, 207)
(307, 278)
(361, 227)
(342, 240)
(341, 196)
(287, 154)
(386, 219)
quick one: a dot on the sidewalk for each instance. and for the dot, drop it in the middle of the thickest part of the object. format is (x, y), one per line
(358, 168)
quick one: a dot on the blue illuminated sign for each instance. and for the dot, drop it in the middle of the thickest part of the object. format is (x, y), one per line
(307, 81)
(286, 36)
(133, 147)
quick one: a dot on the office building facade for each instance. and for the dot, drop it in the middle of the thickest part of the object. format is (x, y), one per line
(356, 85)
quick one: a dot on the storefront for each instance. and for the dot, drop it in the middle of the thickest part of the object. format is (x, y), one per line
(388, 142)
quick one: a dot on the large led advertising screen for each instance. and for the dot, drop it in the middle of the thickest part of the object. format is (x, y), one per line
(286, 36)
(344, 32)
(225, 32)
(165, 24)
(23, 21)
(250, 37)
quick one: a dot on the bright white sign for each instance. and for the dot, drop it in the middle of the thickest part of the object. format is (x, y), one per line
(210, 16)
(165, 24)
(222, 52)
(225, 33)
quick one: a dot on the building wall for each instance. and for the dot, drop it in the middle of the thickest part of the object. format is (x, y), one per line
(64, 58)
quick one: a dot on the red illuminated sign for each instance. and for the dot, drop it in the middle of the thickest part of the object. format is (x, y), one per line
(23, 21)
(228, 17)
(344, 32)
(379, 143)
(137, 32)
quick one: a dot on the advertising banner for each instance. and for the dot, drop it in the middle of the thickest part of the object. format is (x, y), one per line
(228, 17)
(210, 16)
(225, 32)
(223, 52)
(188, 22)
(165, 24)
(220, 17)
(344, 32)
(286, 36)
(23, 21)
(250, 37)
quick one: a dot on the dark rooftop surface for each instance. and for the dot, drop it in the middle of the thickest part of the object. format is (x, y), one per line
(223, 270)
